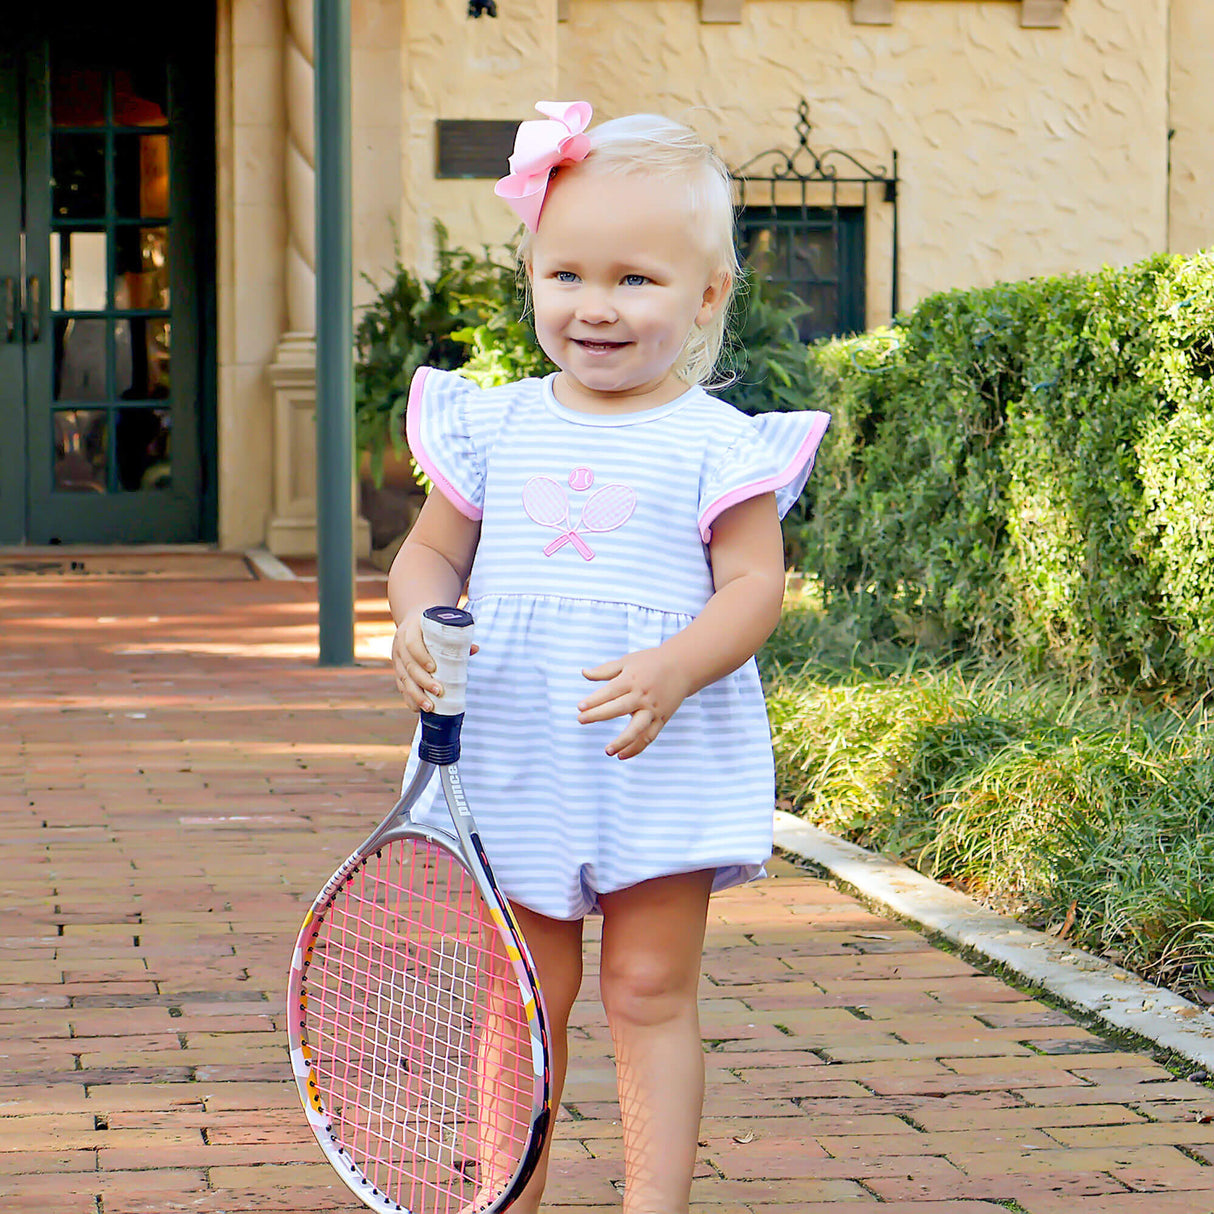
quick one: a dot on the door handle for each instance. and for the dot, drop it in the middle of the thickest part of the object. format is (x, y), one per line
(10, 309)
(35, 307)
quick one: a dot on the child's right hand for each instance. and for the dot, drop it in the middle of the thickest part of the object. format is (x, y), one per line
(413, 666)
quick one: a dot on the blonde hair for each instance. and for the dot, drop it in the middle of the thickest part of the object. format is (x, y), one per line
(649, 143)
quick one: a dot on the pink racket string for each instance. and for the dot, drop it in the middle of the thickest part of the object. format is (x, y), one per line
(419, 1038)
(606, 509)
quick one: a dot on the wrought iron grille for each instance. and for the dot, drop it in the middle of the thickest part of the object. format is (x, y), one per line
(802, 219)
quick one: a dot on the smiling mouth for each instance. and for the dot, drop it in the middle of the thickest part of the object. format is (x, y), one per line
(600, 347)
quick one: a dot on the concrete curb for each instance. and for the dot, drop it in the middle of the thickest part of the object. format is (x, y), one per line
(268, 566)
(1079, 979)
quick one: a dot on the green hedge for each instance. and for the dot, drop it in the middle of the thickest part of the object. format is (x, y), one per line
(1029, 467)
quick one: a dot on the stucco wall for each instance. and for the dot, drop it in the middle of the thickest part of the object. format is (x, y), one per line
(1023, 151)
(251, 261)
(1192, 120)
(457, 67)
(376, 116)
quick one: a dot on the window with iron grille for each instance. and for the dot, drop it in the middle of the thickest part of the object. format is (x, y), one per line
(817, 253)
(802, 221)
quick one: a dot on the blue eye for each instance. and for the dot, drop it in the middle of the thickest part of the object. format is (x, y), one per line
(635, 280)
(565, 276)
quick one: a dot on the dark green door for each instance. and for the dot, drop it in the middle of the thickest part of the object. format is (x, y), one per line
(106, 207)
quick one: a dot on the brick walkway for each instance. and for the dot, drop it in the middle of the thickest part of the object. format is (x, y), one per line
(176, 777)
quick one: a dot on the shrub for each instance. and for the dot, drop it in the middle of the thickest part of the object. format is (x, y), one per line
(1177, 455)
(1079, 592)
(1021, 468)
(771, 370)
(413, 323)
(503, 348)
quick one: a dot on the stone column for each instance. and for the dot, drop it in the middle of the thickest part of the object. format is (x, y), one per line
(292, 529)
(300, 172)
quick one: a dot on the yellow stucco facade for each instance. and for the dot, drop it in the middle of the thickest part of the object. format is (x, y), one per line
(1023, 148)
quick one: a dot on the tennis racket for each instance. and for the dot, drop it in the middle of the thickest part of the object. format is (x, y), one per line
(417, 1032)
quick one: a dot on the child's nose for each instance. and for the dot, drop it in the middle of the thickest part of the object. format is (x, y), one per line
(595, 307)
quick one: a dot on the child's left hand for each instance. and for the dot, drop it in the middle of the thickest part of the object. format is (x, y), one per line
(646, 685)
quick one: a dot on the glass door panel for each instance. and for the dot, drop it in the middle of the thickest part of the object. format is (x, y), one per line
(141, 93)
(78, 270)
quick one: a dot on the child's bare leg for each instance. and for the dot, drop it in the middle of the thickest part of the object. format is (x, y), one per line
(653, 936)
(556, 949)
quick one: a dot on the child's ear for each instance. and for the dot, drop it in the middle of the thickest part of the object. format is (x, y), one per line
(716, 294)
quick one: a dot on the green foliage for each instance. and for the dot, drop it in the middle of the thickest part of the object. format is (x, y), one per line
(1079, 593)
(1022, 469)
(1034, 796)
(503, 348)
(412, 323)
(1177, 455)
(1144, 892)
(766, 358)
(914, 453)
(772, 370)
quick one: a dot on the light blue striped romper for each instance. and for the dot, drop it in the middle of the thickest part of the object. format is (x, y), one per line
(594, 531)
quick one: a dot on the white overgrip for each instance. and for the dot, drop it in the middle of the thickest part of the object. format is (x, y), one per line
(447, 632)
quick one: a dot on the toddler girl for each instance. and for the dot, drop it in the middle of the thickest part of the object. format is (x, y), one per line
(620, 529)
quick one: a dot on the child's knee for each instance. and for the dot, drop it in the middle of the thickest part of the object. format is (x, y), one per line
(642, 991)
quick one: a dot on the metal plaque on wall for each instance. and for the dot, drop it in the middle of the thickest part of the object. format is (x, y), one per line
(474, 147)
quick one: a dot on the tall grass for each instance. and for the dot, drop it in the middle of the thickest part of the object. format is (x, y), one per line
(1050, 802)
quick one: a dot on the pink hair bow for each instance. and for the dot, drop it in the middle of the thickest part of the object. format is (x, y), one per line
(539, 146)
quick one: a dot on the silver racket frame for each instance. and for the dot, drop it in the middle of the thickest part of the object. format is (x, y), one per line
(465, 846)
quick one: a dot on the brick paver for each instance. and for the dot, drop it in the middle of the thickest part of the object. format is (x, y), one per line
(176, 777)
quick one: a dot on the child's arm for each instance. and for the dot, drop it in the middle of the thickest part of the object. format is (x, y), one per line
(429, 570)
(747, 553)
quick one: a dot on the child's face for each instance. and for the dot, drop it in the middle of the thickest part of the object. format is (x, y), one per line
(618, 280)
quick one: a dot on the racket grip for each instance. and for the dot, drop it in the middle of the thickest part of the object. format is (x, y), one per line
(447, 632)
